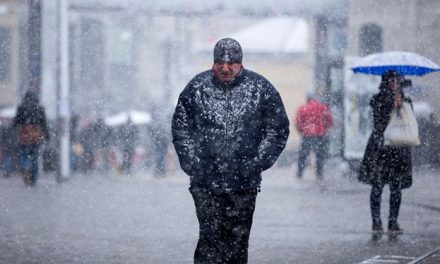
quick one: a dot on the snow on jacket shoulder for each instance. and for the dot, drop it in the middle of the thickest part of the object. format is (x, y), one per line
(225, 135)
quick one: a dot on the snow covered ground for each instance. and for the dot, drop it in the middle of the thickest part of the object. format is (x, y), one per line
(106, 218)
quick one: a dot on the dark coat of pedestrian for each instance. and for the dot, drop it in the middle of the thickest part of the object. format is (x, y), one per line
(101, 139)
(229, 125)
(129, 137)
(31, 125)
(386, 164)
(160, 136)
(8, 149)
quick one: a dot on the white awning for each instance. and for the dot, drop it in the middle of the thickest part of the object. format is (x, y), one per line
(272, 35)
(8, 113)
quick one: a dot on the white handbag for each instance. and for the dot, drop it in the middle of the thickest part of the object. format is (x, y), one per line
(402, 129)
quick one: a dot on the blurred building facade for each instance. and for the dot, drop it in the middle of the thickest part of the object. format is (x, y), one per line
(123, 57)
(19, 49)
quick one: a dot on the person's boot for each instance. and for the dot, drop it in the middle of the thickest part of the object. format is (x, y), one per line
(377, 229)
(394, 228)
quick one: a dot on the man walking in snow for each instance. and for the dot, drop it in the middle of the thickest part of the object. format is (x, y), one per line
(229, 125)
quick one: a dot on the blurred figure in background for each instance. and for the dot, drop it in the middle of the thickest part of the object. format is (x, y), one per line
(161, 138)
(434, 152)
(76, 148)
(101, 143)
(313, 120)
(129, 136)
(8, 149)
(31, 124)
(86, 142)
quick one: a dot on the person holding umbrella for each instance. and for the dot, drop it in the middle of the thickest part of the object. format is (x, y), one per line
(382, 164)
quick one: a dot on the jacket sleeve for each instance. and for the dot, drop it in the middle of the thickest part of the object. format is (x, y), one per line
(182, 128)
(275, 132)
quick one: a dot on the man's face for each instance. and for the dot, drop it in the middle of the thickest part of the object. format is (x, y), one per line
(226, 71)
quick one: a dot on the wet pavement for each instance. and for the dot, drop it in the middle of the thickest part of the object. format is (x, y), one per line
(108, 218)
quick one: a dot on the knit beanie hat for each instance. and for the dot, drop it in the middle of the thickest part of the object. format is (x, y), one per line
(228, 50)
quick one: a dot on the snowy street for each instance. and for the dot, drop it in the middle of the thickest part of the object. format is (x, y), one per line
(139, 219)
(104, 101)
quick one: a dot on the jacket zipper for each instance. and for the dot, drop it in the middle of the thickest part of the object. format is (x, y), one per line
(228, 112)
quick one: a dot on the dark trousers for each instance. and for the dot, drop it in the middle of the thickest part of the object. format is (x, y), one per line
(225, 221)
(127, 159)
(395, 200)
(29, 161)
(319, 146)
(7, 162)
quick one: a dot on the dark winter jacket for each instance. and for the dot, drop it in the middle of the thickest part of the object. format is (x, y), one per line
(30, 114)
(225, 135)
(384, 163)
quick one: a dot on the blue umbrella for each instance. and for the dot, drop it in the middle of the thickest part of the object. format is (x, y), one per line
(406, 63)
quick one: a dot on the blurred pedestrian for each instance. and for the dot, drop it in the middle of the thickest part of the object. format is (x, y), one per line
(129, 136)
(313, 120)
(160, 141)
(101, 141)
(31, 123)
(8, 149)
(434, 146)
(381, 164)
(229, 125)
(86, 145)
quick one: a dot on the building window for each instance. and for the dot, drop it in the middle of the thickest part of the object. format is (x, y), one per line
(5, 54)
(370, 39)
